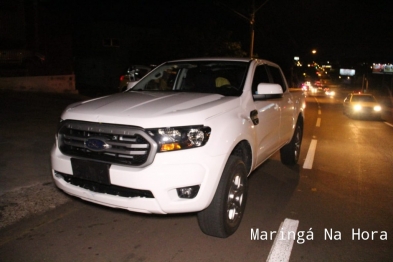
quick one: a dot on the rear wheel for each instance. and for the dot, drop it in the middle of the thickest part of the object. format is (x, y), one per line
(224, 214)
(290, 152)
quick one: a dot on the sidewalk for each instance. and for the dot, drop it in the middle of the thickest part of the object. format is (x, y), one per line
(28, 123)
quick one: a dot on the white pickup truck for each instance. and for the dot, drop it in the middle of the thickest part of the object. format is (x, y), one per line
(182, 139)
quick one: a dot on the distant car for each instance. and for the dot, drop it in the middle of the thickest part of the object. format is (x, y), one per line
(134, 73)
(362, 105)
(329, 92)
(318, 84)
(316, 91)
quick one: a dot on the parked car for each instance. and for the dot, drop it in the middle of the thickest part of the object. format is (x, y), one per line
(362, 105)
(182, 139)
(133, 73)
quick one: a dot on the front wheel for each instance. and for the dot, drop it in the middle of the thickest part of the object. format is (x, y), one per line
(224, 214)
(291, 151)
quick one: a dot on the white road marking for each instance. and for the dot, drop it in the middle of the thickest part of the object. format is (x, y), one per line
(319, 112)
(283, 243)
(389, 124)
(310, 155)
(318, 122)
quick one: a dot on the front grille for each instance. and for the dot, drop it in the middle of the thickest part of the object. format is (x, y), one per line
(115, 144)
(106, 189)
(368, 110)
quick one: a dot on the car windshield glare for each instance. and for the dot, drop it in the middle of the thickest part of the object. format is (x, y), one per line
(363, 98)
(216, 77)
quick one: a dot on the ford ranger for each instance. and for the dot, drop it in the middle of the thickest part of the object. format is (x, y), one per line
(184, 138)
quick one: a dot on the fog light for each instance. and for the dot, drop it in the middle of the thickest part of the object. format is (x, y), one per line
(58, 175)
(170, 147)
(188, 192)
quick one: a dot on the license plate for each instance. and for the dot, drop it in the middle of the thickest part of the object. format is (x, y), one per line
(90, 170)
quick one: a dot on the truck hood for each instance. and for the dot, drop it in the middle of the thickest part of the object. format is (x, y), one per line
(151, 109)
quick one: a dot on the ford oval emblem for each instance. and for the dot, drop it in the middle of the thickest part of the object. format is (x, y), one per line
(96, 144)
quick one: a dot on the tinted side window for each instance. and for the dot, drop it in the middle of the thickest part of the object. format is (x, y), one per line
(260, 76)
(277, 77)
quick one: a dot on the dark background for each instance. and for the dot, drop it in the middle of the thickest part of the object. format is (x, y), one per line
(98, 40)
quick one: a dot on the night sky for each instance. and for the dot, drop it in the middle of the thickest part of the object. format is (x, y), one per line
(337, 29)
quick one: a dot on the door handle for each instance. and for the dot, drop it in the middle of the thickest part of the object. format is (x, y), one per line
(254, 117)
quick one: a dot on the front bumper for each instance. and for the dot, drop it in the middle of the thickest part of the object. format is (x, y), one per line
(366, 112)
(168, 172)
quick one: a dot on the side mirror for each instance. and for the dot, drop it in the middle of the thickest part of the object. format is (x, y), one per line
(268, 90)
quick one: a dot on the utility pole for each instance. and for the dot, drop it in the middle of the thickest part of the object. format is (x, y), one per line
(251, 20)
(252, 26)
(36, 23)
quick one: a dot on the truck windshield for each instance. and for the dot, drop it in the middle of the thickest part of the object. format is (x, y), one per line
(216, 77)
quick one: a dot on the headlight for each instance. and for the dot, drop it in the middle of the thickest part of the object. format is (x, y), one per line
(377, 108)
(357, 107)
(177, 138)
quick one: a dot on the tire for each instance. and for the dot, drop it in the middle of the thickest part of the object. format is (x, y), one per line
(291, 151)
(224, 214)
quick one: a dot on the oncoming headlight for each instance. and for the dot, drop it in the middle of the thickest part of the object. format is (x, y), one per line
(357, 107)
(177, 138)
(377, 108)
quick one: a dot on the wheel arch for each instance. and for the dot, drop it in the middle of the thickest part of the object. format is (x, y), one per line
(300, 119)
(244, 151)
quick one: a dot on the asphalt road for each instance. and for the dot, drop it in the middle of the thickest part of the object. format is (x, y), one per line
(342, 202)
